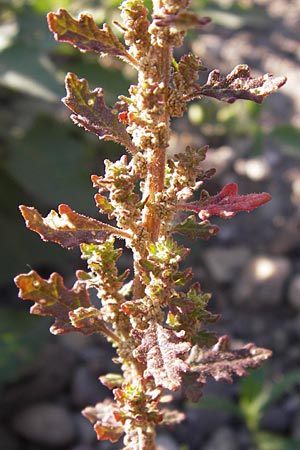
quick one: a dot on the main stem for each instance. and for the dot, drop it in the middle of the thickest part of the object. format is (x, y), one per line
(157, 78)
(157, 155)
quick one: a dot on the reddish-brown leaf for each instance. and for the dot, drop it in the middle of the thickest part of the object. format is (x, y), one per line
(222, 364)
(67, 228)
(103, 417)
(85, 35)
(91, 112)
(183, 21)
(52, 298)
(238, 85)
(88, 321)
(226, 203)
(162, 351)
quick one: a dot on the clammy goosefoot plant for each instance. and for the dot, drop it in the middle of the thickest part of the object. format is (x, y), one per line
(154, 317)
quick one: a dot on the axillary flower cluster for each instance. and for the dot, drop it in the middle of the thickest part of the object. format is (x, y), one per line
(154, 317)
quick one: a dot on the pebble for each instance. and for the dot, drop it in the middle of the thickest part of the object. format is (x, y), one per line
(262, 281)
(224, 264)
(45, 424)
(8, 441)
(223, 439)
(84, 429)
(166, 442)
(86, 389)
(295, 428)
(204, 421)
(294, 292)
(275, 420)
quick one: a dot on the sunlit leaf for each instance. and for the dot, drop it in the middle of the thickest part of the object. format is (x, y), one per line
(52, 298)
(238, 85)
(196, 230)
(102, 416)
(161, 350)
(85, 35)
(226, 203)
(91, 112)
(67, 228)
(222, 363)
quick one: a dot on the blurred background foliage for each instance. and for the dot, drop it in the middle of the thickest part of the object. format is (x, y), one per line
(46, 160)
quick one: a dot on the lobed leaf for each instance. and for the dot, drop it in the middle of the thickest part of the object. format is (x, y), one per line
(222, 364)
(161, 350)
(103, 417)
(67, 228)
(182, 21)
(85, 35)
(52, 298)
(91, 112)
(191, 388)
(226, 203)
(195, 230)
(238, 85)
(88, 320)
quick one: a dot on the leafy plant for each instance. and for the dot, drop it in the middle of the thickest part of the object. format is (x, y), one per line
(155, 317)
(257, 393)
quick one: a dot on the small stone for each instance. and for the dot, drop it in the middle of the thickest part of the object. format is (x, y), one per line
(295, 431)
(204, 421)
(166, 442)
(85, 431)
(256, 169)
(225, 264)
(223, 439)
(46, 424)
(261, 282)
(86, 389)
(274, 420)
(294, 292)
(8, 441)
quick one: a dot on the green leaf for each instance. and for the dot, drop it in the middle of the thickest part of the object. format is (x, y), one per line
(21, 337)
(204, 338)
(281, 387)
(289, 136)
(270, 441)
(252, 386)
(217, 403)
(196, 230)
(253, 395)
(25, 64)
(91, 112)
(54, 170)
(21, 249)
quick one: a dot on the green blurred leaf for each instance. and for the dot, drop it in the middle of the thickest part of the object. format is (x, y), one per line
(252, 386)
(217, 403)
(25, 65)
(253, 396)
(289, 136)
(21, 336)
(281, 387)
(44, 6)
(54, 169)
(21, 249)
(269, 441)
